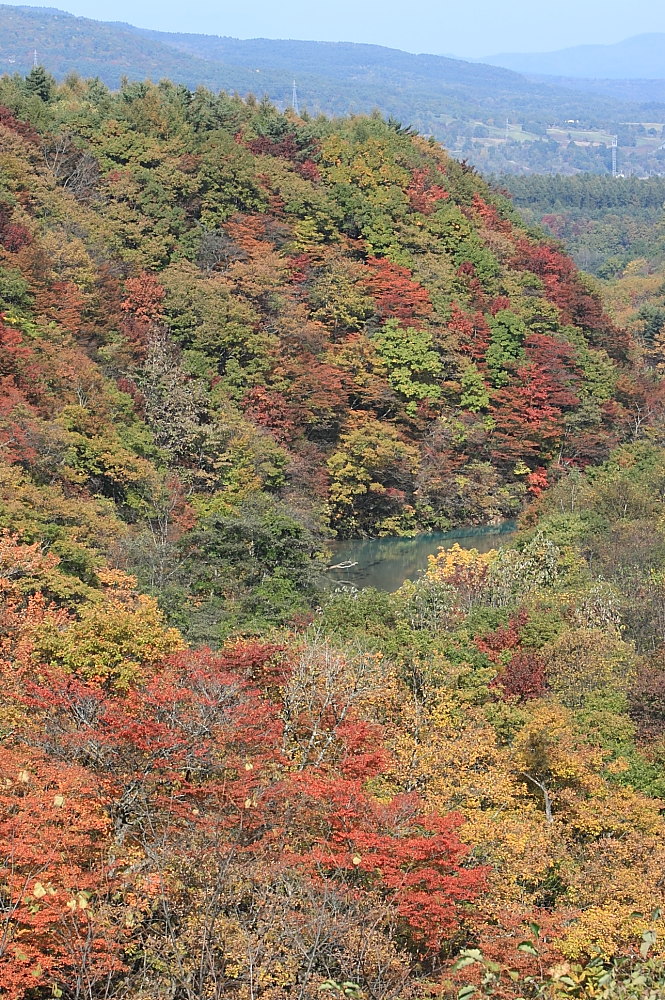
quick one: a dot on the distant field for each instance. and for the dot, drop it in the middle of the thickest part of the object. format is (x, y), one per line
(518, 134)
(659, 126)
(579, 135)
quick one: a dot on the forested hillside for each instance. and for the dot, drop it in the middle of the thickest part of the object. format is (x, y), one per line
(605, 223)
(615, 229)
(227, 334)
(279, 325)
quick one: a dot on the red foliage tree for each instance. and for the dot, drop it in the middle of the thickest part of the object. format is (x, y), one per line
(505, 637)
(22, 391)
(300, 268)
(556, 358)
(537, 481)
(523, 676)
(13, 236)
(423, 193)
(556, 223)
(500, 303)
(199, 759)
(317, 390)
(15, 418)
(288, 147)
(9, 121)
(142, 306)
(269, 409)
(63, 303)
(490, 215)
(526, 424)
(144, 297)
(397, 295)
(471, 332)
(55, 878)
(410, 859)
(309, 170)
(564, 287)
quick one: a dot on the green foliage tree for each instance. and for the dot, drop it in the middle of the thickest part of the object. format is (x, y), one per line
(412, 362)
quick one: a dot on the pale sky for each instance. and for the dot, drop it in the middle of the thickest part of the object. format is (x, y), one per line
(470, 28)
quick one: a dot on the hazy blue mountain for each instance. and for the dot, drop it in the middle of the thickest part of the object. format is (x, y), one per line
(634, 91)
(641, 57)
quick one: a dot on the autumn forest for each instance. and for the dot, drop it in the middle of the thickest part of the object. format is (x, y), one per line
(230, 336)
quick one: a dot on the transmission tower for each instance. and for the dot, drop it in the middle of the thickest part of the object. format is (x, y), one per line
(614, 156)
(294, 99)
(34, 59)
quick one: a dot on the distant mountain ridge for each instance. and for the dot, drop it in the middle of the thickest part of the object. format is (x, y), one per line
(635, 91)
(493, 117)
(32, 25)
(641, 57)
(334, 78)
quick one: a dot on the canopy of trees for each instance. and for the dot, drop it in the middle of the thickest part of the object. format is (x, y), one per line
(223, 322)
(226, 333)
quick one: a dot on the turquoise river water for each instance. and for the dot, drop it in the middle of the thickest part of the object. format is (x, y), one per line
(385, 563)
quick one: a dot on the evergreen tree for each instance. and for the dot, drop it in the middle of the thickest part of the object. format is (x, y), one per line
(40, 83)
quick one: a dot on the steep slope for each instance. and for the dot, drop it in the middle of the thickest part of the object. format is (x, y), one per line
(604, 222)
(277, 323)
(220, 326)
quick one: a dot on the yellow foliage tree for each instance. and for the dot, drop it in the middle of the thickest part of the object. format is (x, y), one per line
(115, 640)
